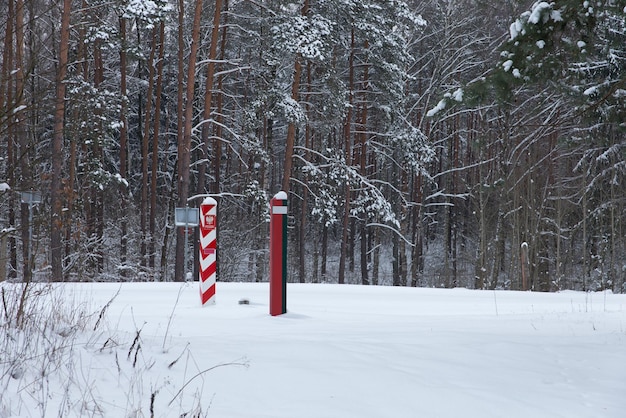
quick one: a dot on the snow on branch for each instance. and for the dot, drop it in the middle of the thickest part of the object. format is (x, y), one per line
(540, 12)
(456, 96)
(148, 11)
(308, 36)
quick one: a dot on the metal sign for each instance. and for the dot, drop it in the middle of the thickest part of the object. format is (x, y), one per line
(31, 198)
(187, 217)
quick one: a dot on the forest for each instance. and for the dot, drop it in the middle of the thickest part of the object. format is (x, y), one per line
(434, 143)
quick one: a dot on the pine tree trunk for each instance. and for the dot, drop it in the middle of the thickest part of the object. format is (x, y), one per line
(146, 237)
(208, 97)
(481, 262)
(363, 168)
(56, 221)
(291, 129)
(351, 244)
(217, 144)
(316, 258)
(363, 242)
(323, 271)
(184, 145)
(305, 189)
(395, 261)
(123, 149)
(375, 257)
(7, 66)
(97, 150)
(417, 256)
(347, 133)
(19, 121)
(155, 148)
(402, 262)
(4, 71)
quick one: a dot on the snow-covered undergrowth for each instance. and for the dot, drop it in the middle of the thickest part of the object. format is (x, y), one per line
(61, 356)
(42, 335)
(151, 350)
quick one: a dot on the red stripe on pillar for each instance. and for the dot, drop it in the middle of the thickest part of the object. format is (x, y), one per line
(210, 270)
(208, 294)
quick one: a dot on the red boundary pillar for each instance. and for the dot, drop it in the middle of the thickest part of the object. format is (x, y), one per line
(278, 254)
(208, 250)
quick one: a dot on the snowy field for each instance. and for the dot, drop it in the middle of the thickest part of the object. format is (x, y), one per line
(341, 351)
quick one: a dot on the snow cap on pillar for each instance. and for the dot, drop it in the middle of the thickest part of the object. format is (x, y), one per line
(281, 195)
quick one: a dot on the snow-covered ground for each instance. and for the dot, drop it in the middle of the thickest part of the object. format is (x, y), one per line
(341, 351)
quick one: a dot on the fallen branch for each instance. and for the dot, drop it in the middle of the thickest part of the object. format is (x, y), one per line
(234, 363)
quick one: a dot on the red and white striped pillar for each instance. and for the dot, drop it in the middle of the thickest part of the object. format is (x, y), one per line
(208, 250)
(278, 254)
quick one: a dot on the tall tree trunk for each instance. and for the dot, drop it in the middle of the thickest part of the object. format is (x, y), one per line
(146, 237)
(375, 257)
(208, 97)
(363, 167)
(585, 237)
(217, 144)
(351, 241)
(155, 147)
(206, 116)
(347, 133)
(19, 122)
(180, 130)
(170, 203)
(496, 260)
(7, 67)
(323, 268)
(417, 256)
(481, 262)
(97, 192)
(4, 72)
(184, 145)
(305, 190)
(56, 249)
(123, 149)
(395, 260)
(291, 129)
(69, 225)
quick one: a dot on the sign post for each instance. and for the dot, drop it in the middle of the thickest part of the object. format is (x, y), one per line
(187, 218)
(208, 250)
(278, 254)
(30, 198)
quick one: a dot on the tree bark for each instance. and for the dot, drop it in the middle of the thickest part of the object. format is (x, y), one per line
(56, 249)
(363, 168)
(208, 97)
(217, 144)
(347, 133)
(291, 129)
(146, 237)
(19, 122)
(97, 192)
(123, 148)
(180, 131)
(155, 147)
(184, 145)
(323, 268)
(7, 66)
